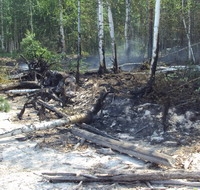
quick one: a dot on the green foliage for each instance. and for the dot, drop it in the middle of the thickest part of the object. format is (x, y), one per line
(20, 15)
(56, 62)
(72, 65)
(4, 73)
(4, 105)
(32, 48)
(192, 75)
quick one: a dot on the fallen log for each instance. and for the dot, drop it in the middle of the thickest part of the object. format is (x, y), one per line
(46, 125)
(17, 76)
(17, 84)
(126, 148)
(30, 84)
(123, 147)
(52, 108)
(86, 117)
(143, 175)
(96, 131)
(9, 85)
(177, 182)
(22, 91)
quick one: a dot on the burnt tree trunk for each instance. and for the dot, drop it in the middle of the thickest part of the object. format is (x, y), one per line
(125, 147)
(144, 175)
(115, 63)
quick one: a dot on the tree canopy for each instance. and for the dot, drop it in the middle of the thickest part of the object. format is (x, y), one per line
(42, 17)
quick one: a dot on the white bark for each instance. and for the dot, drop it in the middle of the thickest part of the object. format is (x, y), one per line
(2, 23)
(35, 127)
(111, 29)
(126, 29)
(23, 129)
(62, 34)
(79, 28)
(188, 32)
(100, 32)
(22, 91)
(112, 36)
(155, 34)
(79, 43)
(150, 28)
(31, 15)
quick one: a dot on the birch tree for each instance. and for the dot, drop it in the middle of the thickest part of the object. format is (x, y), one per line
(79, 42)
(155, 41)
(112, 36)
(31, 15)
(61, 28)
(2, 25)
(102, 64)
(188, 29)
(150, 29)
(127, 30)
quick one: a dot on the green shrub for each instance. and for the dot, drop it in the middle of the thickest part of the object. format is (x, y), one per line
(4, 105)
(32, 48)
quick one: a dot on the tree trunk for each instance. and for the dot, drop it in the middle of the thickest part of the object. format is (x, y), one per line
(21, 91)
(86, 117)
(45, 125)
(148, 87)
(31, 15)
(177, 182)
(125, 147)
(188, 31)
(79, 43)
(127, 31)
(61, 32)
(102, 64)
(2, 27)
(155, 41)
(112, 36)
(150, 31)
(143, 175)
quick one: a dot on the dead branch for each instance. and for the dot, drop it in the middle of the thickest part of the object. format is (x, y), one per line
(44, 125)
(35, 127)
(51, 108)
(9, 85)
(17, 76)
(177, 182)
(86, 117)
(22, 91)
(144, 175)
(96, 131)
(17, 84)
(126, 148)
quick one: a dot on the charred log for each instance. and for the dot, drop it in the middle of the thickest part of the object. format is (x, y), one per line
(144, 175)
(126, 147)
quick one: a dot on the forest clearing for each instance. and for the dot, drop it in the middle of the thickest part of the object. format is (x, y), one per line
(99, 94)
(41, 143)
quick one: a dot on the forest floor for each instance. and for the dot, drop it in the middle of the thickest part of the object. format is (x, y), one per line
(123, 116)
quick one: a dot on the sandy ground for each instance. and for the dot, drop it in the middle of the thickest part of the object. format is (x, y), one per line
(23, 161)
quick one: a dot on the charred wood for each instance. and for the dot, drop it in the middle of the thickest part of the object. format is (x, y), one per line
(177, 182)
(86, 117)
(144, 175)
(51, 108)
(22, 91)
(126, 148)
(95, 130)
